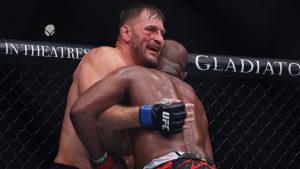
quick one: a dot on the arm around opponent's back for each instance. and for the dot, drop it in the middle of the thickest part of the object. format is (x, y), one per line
(85, 110)
(94, 66)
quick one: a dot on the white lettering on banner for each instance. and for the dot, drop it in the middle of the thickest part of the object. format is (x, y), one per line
(53, 50)
(270, 69)
(78, 52)
(290, 69)
(25, 49)
(230, 62)
(257, 66)
(11, 47)
(241, 65)
(197, 62)
(85, 51)
(61, 51)
(33, 49)
(216, 64)
(280, 67)
(70, 53)
(44, 51)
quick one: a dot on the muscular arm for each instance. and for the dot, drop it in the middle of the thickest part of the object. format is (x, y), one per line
(125, 117)
(95, 65)
(93, 102)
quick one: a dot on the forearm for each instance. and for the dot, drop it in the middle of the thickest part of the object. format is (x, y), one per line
(119, 117)
(85, 127)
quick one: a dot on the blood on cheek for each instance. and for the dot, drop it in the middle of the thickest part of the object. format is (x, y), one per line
(148, 35)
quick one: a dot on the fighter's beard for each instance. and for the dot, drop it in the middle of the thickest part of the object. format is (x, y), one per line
(142, 55)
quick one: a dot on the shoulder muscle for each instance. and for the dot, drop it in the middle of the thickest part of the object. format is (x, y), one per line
(96, 64)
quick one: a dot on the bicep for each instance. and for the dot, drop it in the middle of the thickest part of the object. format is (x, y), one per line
(94, 67)
(103, 94)
(87, 76)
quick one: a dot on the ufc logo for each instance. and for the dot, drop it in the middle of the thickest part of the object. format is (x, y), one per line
(165, 120)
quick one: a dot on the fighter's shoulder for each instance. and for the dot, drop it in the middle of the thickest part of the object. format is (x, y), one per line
(103, 59)
(132, 72)
(102, 53)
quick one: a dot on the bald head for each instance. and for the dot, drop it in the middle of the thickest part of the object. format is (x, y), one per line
(173, 59)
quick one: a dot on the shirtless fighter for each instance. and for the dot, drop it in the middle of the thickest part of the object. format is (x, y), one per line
(142, 86)
(139, 42)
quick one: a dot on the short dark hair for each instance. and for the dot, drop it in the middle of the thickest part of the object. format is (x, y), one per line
(134, 9)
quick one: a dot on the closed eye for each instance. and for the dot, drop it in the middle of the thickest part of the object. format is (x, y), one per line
(154, 29)
(151, 28)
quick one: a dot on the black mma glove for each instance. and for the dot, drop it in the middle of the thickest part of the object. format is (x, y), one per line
(167, 118)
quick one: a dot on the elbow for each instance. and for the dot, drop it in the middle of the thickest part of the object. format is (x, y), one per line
(75, 112)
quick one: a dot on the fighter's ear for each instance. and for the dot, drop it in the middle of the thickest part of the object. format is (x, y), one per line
(125, 32)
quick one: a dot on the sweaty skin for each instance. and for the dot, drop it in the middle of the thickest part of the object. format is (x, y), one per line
(95, 65)
(143, 86)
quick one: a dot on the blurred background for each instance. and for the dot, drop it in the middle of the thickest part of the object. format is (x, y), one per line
(268, 28)
(253, 123)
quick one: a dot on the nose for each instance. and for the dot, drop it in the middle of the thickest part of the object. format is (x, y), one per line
(158, 38)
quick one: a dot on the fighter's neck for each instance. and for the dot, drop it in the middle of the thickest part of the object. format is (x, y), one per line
(169, 70)
(126, 54)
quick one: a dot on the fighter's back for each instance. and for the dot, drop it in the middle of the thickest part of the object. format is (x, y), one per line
(149, 86)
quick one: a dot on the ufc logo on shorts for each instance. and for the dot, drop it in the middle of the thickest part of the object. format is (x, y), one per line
(165, 120)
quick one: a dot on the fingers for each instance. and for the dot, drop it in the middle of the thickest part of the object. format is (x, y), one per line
(173, 101)
(189, 109)
(190, 116)
(188, 121)
(169, 101)
(189, 106)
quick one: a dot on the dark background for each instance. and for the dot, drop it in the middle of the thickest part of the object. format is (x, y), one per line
(253, 123)
(260, 28)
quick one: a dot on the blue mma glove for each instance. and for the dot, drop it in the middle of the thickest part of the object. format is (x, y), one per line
(167, 118)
